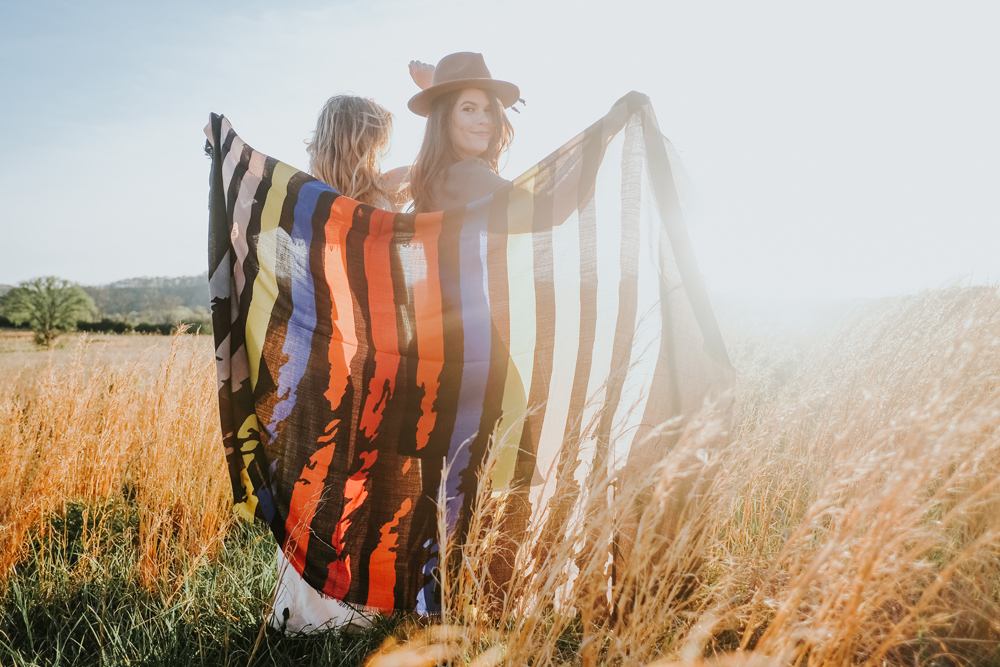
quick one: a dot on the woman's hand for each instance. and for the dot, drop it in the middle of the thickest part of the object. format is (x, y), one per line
(421, 73)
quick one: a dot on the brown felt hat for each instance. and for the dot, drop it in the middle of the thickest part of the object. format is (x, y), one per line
(458, 71)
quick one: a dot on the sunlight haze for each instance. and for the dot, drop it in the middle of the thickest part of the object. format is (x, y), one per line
(838, 150)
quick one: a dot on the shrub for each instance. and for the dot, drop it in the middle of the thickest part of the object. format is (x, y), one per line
(7, 324)
(105, 325)
(164, 329)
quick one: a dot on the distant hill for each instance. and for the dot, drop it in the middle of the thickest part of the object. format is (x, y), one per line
(153, 299)
(5, 288)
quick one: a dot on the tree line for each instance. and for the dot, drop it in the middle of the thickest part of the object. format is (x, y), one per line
(50, 306)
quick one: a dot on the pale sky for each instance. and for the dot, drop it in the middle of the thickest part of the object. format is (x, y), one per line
(839, 149)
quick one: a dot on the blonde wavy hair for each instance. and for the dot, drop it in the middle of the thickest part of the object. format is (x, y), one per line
(351, 138)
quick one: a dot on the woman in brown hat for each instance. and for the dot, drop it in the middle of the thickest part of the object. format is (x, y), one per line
(467, 131)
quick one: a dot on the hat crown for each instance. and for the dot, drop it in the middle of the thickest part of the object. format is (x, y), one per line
(457, 66)
(457, 71)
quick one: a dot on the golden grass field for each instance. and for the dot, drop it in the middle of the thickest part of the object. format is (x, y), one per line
(848, 514)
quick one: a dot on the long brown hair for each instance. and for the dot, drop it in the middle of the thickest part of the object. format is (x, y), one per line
(351, 138)
(437, 153)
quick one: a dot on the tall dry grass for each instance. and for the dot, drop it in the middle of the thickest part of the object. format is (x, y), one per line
(143, 430)
(848, 515)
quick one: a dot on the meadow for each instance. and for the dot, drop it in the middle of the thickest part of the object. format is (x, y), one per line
(845, 512)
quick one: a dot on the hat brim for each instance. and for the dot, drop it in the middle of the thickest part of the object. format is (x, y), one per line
(420, 103)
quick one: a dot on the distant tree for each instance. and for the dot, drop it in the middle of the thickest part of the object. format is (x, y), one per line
(49, 305)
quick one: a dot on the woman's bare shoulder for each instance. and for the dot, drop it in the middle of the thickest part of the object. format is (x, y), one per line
(394, 177)
(395, 182)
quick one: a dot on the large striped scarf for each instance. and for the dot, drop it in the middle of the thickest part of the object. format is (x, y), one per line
(368, 360)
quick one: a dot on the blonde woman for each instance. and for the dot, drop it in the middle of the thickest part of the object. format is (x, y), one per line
(346, 150)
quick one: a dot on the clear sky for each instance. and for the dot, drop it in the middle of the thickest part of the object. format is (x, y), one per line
(838, 149)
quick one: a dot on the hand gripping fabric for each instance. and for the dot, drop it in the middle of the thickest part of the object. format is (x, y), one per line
(368, 360)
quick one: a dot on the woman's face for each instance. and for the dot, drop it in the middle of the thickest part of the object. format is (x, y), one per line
(471, 123)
